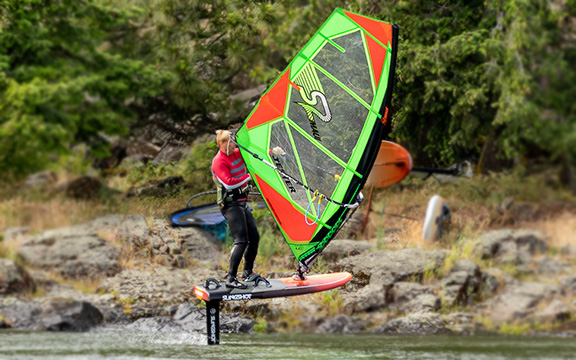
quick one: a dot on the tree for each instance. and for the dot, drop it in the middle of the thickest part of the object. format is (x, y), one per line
(62, 82)
(214, 49)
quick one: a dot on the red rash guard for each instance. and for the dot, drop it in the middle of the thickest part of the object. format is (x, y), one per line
(229, 172)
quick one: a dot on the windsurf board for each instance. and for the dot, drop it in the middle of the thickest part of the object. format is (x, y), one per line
(281, 287)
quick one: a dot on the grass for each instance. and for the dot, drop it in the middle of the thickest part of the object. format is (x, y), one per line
(10, 251)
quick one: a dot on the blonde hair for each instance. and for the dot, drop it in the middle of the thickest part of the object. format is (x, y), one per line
(222, 136)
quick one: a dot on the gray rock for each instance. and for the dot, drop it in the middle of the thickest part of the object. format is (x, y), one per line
(342, 324)
(568, 283)
(403, 293)
(70, 316)
(490, 243)
(423, 303)
(339, 249)
(236, 324)
(198, 244)
(568, 250)
(157, 285)
(463, 284)
(14, 279)
(519, 301)
(186, 318)
(490, 283)
(369, 298)
(14, 233)
(139, 158)
(249, 94)
(556, 310)
(420, 323)
(171, 154)
(547, 265)
(84, 188)
(140, 146)
(508, 246)
(134, 229)
(387, 266)
(20, 314)
(164, 187)
(461, 322)
(352, 227)
(73, 257)
(39, 181)
(459, 318)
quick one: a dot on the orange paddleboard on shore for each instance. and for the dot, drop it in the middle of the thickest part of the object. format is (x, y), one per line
(392, 164)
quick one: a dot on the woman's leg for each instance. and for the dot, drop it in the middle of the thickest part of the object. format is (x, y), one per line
(236, 219)
(253, 242)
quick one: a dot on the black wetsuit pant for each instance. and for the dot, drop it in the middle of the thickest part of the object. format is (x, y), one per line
(245, 234)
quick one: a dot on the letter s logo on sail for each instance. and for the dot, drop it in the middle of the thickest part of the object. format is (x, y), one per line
(311, 110)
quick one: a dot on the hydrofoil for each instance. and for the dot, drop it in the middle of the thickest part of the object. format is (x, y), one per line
(213, 292)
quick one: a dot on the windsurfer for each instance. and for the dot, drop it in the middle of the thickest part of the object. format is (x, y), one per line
(231, 179)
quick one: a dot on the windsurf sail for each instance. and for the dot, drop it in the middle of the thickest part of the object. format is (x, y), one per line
(316, 131)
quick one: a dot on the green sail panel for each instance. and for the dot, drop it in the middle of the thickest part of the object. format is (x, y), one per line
(316, 131)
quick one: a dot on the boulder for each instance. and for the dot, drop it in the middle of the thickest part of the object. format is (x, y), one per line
(547, 265)
(236, 324)
(461, 322)
(463, 283)
(369, 298)
(420, 323)
(82, 188)
(135, 159)
(556, 310)
(14, 279)
(568, 283)
(156, 285)
(134, 229)
(388, 266)
(15, 233)
(339, 249)
(403, 293)
(140, 146)
(164, 187)
(519, 301)
(83, 256)
(352, 227)
(198, 244)
(568, 250)
(423, 303)
(171, 153)
(342, 324)
(117, 151)
(509, 246)
(19, 314)
(39, 181)
(70, 316)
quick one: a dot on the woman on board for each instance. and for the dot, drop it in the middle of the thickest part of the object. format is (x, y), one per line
(231, 179)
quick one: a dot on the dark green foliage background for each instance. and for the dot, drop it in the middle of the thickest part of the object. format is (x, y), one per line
(480, 80)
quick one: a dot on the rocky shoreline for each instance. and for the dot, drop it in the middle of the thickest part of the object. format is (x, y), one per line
(505, 280)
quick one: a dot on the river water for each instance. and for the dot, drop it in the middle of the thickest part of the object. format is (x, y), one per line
(114, 344)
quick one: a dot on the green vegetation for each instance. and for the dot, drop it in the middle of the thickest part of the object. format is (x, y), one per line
(484, 80)
(261, 327)
(64, 80)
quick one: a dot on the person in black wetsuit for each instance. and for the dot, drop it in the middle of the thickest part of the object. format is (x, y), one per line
(231, 178)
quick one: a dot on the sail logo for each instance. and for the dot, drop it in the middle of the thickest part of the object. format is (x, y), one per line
(285, 178)
(309, 105)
